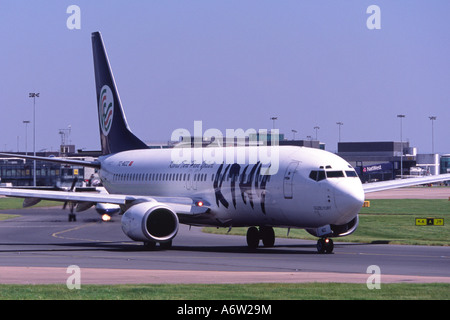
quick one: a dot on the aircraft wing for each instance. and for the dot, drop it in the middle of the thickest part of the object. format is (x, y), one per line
(181, 205)
(393, 184)
(92, 164)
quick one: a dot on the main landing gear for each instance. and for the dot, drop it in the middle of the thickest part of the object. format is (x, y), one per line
(254, 235)
(72, 216)
(267, 235)
(151, 245)
(325, 245)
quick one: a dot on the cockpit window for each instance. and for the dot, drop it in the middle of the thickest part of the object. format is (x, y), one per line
(321, 175)
(335, 174)
(317, 175)
(351, 173)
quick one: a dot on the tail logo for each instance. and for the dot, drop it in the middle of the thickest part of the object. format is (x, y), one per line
(106, 109)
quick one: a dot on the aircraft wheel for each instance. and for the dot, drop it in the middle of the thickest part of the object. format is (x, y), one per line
(252, 237)
(321, 246)
(268, 236)
(72, 217)
(325, 245)
(329, 246)
(149, 245)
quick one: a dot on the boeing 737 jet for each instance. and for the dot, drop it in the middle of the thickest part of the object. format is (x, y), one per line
(297, 187)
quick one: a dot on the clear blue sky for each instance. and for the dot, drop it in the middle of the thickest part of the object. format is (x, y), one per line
(231, 64)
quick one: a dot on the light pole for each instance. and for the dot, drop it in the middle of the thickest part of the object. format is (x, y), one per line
(26, 122)
(273, 119)
(339, 124)
(273, 129)
(293, 133)
(316, 128)
(310, 141)
(401, 116)
(432, 118)
(34, 95)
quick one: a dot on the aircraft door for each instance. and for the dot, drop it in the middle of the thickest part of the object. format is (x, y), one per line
(194, 177)
(191, 181)
(288, 181)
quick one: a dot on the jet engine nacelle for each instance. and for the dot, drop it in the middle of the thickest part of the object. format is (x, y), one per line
(334, 230)
(150, 221)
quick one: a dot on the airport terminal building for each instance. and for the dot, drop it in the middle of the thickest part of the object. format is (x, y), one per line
(20, 172)
(387, 160)
(373, 161)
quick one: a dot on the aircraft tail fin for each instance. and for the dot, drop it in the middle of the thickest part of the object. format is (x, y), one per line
(115, 134)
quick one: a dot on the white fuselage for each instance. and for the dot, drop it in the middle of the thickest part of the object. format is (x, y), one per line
(310, 188)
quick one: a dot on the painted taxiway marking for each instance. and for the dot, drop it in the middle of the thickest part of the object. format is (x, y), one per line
(59, 233)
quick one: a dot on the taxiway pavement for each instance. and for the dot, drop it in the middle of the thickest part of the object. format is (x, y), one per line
(41, 244)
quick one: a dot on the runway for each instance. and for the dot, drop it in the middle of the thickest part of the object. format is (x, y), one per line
(41, 244)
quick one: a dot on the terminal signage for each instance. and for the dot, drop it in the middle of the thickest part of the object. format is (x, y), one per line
(377, 168)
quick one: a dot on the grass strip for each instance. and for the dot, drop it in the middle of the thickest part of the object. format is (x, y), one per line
(16, 203)
(271, 291)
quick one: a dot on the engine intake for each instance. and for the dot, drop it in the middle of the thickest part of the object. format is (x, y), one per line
(150, 221)
(345, 229)
(335, 230)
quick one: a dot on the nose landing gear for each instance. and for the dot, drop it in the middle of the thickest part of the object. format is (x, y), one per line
(325, 245)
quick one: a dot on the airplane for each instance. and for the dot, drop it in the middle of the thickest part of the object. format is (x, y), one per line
(106, 210)
(310, 189)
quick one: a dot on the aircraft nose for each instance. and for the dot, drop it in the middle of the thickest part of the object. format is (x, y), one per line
(349, 198)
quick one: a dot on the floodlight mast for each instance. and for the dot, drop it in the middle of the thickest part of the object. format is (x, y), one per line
(401, 116)
(34, 95)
